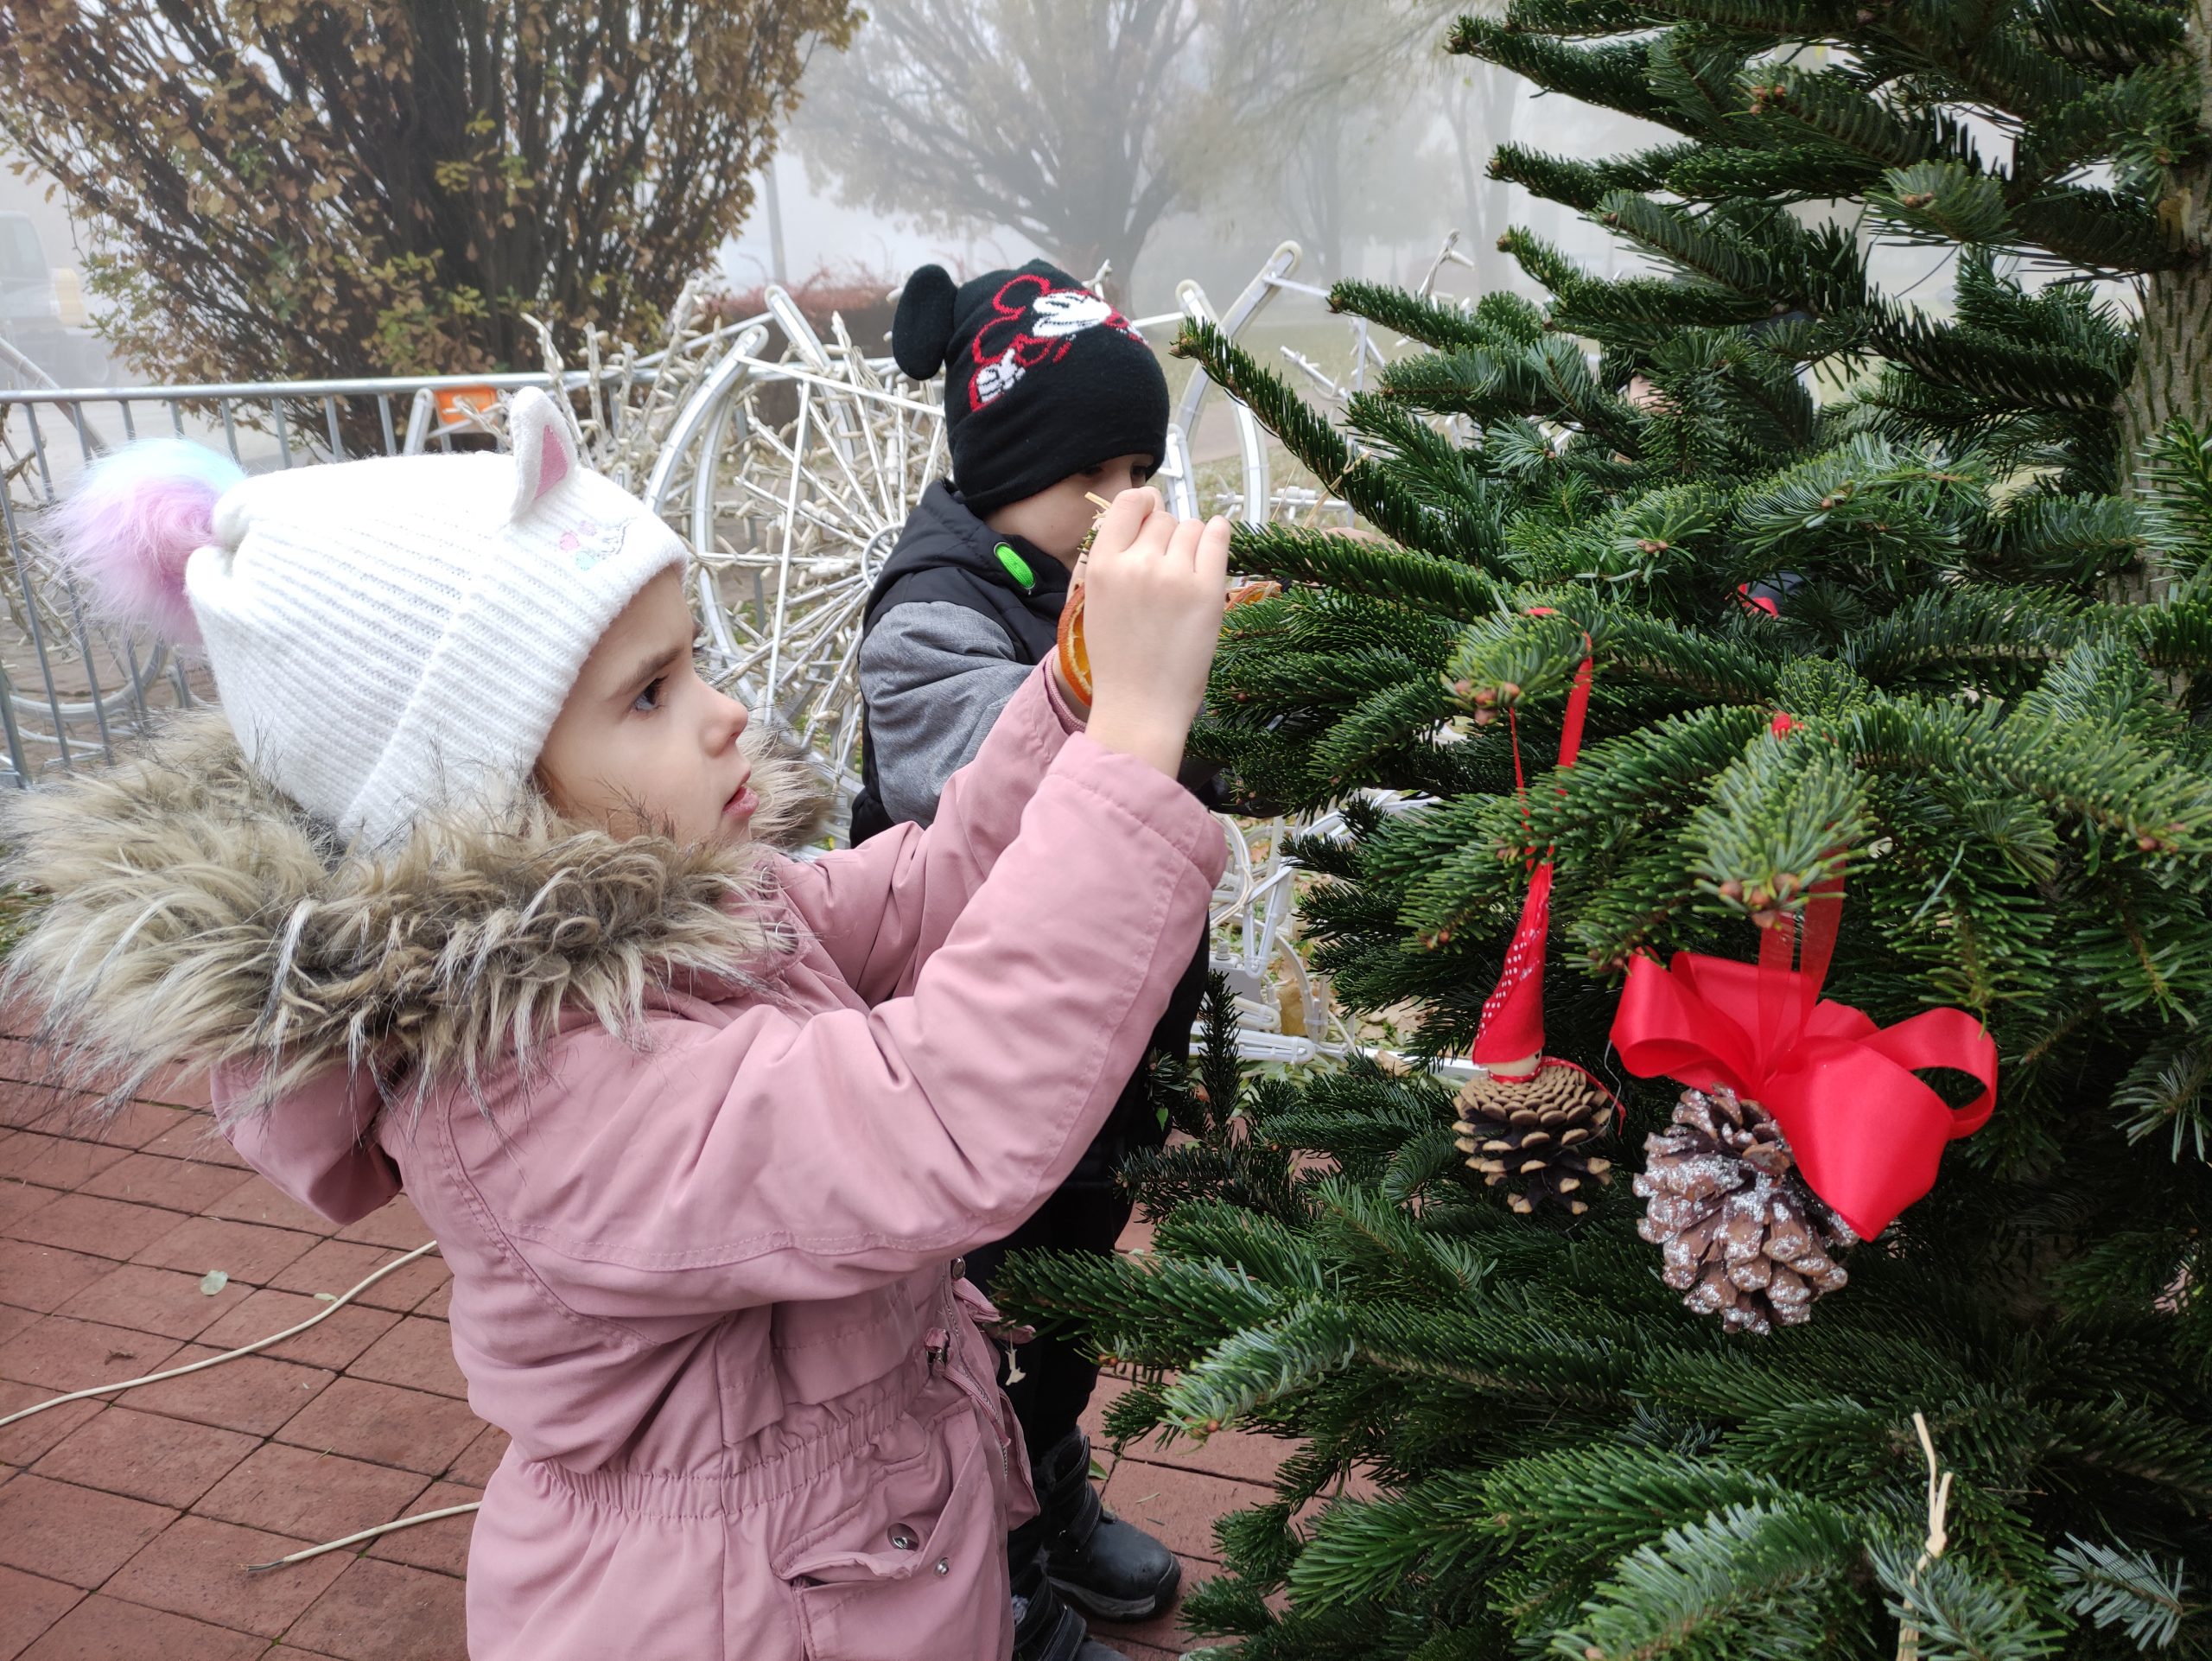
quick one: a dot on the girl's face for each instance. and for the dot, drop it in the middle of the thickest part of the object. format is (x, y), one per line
(643, 745)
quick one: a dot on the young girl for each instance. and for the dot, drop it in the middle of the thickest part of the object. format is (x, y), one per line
(464, 894)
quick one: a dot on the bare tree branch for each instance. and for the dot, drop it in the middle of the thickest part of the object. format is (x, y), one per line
(284, 190)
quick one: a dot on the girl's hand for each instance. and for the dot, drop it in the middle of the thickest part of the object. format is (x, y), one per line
(1154, 590)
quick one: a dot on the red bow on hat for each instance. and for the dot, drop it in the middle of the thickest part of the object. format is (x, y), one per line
(1867, 1134)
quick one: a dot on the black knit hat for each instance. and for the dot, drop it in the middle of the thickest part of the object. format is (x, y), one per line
(1043, 379)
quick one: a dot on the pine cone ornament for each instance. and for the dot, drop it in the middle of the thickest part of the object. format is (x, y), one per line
(1742, 1236)
(1534, 1136)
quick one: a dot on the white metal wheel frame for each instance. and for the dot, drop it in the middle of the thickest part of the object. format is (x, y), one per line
(792, 511)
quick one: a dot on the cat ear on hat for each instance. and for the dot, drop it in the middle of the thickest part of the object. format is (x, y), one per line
(921, 329)
(545, 450)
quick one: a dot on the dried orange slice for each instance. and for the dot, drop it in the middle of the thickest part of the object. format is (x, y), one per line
(1075, 656)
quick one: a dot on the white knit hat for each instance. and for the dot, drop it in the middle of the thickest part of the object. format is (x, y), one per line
(392, 635)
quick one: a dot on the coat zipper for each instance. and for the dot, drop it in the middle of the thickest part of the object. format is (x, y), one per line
(939, 1344)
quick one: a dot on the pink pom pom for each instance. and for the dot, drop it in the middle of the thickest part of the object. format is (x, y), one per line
(126, 533)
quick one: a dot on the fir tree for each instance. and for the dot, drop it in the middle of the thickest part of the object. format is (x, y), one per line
(1965, 553)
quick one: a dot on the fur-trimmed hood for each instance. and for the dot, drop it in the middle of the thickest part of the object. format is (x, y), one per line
(193, 917)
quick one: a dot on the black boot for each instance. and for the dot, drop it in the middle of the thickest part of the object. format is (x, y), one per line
(1110, 1570)
(1046, 1629)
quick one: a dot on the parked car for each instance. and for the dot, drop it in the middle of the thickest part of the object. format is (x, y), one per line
(43, 308)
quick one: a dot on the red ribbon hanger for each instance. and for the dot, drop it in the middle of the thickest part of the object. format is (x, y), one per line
(1867, 1133)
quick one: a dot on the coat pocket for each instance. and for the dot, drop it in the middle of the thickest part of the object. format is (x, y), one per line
(918, 1568)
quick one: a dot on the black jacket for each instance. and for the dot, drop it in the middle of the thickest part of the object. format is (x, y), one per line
(1013, 593)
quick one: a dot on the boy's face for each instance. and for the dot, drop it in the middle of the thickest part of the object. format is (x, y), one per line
(1056, 520)
(643, 745)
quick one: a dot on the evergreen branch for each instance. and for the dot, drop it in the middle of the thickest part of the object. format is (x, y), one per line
(2175, 637)
(1781, 819)
(2168, 1091)
(1698, 248)
(1758, 1569)
(2108, 35)
(2177, 477)
(2110, 1585)
(1650, 309)
(1958, 1616)
(1612, 76)
(1317, 446)
(1385, 720)
(2156, 1450)
(2023, 375)
(1574, 18)
(1558, 275)
(1262, 1362)
(1504, 661)
(1790, 173)
(1450, 529)
(1257, 1543)
(2137, 123)
(2080, 540)
(1155, 1314)
(1592, 1504)
(1360, 1552)
(2097, 776)
(1832, 109)
(1434, 324)
(1776, 21)
(1944, 202)
(1275, 1252)
(1579, 184)
(1995, 64)
(1964, 630)
(1550, 379)
(1295, 554)
(2094, 230)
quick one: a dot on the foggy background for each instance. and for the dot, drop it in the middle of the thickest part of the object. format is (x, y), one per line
(963, 131)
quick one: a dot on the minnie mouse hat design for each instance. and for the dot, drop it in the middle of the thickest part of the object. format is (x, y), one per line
(1043, 379)
(388, 637)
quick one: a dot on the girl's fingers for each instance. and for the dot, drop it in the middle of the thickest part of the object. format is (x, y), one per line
(1182, 550)
(1213, 552)
(1120, 523)
(1157, 533)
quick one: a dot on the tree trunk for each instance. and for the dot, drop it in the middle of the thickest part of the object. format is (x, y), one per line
(2173, 363)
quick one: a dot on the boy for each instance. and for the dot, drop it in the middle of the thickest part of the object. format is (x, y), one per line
(1051, 397)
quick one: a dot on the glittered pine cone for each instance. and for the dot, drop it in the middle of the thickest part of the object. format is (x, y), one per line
(1743, 1237)
(1534, 1136)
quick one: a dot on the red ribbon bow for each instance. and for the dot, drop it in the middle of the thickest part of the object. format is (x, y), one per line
(1867, 1134)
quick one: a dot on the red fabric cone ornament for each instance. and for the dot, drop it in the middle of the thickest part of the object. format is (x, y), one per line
(1512, 1029)
(1866, 1133)
(1513, 1015)
(1530, 1123)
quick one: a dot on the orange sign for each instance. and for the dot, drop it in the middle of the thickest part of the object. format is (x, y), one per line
(456, 404)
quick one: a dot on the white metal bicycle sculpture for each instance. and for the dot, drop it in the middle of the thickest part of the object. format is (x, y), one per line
(792, 475)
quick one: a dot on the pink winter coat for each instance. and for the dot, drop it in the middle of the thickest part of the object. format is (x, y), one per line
(704, 1270)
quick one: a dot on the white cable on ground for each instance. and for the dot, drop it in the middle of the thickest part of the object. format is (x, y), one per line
(367, 1534)
(228, 1355)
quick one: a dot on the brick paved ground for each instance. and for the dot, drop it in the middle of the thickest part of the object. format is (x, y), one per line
(124, 1525)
